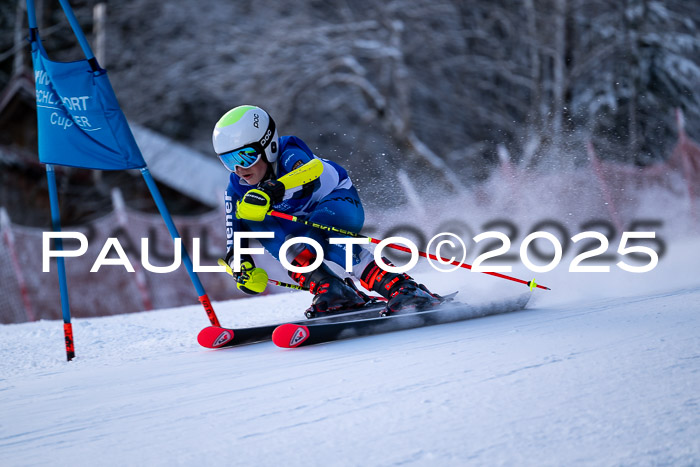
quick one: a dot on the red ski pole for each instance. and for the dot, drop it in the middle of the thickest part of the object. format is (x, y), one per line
(289, 217)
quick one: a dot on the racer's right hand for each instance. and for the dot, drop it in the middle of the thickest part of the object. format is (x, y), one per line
(251, 280)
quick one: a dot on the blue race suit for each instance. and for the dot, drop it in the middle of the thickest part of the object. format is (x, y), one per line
(329, 200)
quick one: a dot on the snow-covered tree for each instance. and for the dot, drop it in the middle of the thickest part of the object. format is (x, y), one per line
(635, 62)
(421, 83)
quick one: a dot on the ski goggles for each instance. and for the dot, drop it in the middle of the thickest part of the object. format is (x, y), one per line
(242, 157)
(249, 154)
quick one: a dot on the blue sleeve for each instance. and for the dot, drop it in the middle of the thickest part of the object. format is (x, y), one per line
(292, 158)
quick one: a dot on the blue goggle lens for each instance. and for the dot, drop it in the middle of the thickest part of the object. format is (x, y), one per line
(243, 157)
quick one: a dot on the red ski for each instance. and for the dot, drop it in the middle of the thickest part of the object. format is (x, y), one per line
(294, 335)
(216, 337)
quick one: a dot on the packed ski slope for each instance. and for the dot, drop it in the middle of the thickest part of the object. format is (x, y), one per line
(602, 370)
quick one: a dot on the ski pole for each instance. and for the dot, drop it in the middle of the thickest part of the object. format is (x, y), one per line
(329, 228)
(286, 284)
(229, 271)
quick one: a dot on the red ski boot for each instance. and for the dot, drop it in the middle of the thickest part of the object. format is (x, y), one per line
(331, 293)
(401, 291)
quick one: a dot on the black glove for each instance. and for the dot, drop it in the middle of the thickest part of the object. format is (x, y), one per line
(274, 189)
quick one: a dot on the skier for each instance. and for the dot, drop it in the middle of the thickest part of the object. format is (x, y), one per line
(247, 143)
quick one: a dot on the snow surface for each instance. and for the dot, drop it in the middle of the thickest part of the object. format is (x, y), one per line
(602, 370)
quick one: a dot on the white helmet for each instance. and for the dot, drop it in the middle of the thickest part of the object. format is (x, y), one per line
(243, 135)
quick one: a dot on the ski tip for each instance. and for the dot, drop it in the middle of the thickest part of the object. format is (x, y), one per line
(290, 335)
(213, 337)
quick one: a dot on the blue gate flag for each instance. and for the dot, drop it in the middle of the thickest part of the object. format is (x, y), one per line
(79, 119)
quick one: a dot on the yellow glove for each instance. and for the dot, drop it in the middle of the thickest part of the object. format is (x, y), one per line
(254, 206)
(257, 202)
(250, 280)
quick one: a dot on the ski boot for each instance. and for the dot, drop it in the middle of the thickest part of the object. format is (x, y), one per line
(331, 293)
(400, 290)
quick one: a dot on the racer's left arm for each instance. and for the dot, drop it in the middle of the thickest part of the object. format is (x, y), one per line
(256, 203)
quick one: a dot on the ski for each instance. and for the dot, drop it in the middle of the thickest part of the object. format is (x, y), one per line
(294, 335)
(216, 337)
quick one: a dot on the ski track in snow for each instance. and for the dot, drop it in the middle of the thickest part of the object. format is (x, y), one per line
(602, 370)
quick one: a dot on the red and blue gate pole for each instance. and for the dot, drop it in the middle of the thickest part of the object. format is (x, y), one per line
(165, 214)
(62, 282)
